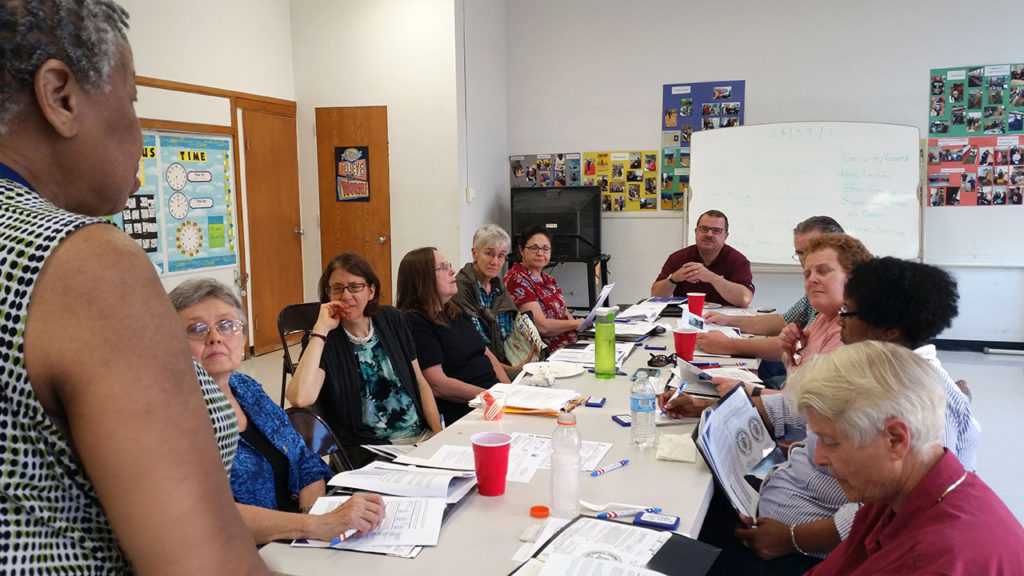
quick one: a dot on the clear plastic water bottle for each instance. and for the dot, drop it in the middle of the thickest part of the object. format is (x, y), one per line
(641, 405)
(565, 467)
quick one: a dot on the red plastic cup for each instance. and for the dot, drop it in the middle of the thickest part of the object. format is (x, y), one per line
(695, 302)
(686, 341)
(490, 456)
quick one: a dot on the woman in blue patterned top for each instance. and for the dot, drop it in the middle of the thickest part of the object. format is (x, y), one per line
(274, 475)
(363, 378)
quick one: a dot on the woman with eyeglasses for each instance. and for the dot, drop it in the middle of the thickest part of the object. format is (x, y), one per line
(536, 292)
(827, 264)
(482, 295)
(274, 476)
(360, 369)
(455, 361)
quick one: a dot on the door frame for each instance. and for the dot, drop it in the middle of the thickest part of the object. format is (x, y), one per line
(236, 101)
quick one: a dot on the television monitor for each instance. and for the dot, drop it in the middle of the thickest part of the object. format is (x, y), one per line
(571, 214)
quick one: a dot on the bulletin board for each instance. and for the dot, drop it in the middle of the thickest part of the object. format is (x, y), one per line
(975, 166)
(183, 214)
(544, 170)
(628, 179)
(686, 109)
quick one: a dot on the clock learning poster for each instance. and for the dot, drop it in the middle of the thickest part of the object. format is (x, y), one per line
(198, 212)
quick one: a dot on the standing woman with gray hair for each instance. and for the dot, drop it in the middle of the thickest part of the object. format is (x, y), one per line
(482, 295)
(110, 461)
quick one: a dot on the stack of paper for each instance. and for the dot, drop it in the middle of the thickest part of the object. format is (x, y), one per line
(389, 478)
(534, 400)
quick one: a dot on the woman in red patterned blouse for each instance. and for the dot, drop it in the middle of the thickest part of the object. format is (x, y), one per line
(536, 292)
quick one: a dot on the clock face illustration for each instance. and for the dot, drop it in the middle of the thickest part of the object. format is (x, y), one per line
(177, 205)
(189, 238)
(177, 176)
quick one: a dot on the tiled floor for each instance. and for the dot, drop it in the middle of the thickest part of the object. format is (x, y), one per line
(997, 384)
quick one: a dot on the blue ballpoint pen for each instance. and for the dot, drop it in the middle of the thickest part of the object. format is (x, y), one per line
(675, 394)
(626, 512)
(609, 468)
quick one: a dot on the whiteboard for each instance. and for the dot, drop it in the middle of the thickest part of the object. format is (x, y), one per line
(768, 177)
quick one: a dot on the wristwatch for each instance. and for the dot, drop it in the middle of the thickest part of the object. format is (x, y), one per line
(756, 392)
(671, 280)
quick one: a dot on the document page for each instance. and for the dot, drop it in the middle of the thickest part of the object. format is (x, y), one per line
(613, 541)
(401, 480)
(407, 522)
(537, 445)
(521, 464)
(565, 565)
(735, 440)
(585, 356)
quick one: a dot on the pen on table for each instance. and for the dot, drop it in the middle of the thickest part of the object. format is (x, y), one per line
(644, 338)
(675, 394)
(623, 321)
(609, 468)
(626, 512)
(649, 347)
(706, 364)
(442, 421)
(344, 536)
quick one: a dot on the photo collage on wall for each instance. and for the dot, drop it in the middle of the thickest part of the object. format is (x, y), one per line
(628, 180)
(975, 155)
(688, 108)
(541, 170)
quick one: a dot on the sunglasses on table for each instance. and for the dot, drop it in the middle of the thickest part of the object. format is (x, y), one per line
(659, 360)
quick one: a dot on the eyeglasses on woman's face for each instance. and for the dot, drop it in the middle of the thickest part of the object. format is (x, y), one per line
(226, 328)
(845, 312)
(537, 248)
(445, 267)
(353, 288)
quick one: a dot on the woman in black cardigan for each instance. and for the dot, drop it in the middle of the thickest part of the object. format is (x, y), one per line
(359, 370)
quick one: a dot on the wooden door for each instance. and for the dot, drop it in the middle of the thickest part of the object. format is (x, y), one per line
(275, 231)
(356, 226)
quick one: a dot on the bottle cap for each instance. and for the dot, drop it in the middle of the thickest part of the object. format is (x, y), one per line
(539, 511)
(605, 313)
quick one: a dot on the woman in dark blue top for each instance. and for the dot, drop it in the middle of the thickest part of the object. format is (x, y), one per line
(455, 362)
(274, 476)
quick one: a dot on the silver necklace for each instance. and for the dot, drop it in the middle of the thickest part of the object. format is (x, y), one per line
(357, 339)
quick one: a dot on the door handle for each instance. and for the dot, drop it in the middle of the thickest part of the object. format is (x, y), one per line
(300, 232)
(382, 239)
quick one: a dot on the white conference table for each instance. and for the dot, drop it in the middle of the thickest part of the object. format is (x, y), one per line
(481, 534)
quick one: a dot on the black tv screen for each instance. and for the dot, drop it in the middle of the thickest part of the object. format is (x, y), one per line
(571, 214)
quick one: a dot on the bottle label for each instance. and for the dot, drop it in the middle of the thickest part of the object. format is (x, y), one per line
(641, 404)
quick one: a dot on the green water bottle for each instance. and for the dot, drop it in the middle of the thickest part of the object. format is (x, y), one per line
(604, 342)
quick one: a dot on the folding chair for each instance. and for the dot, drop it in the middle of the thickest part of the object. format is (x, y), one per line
(293, 319)
(319, 437)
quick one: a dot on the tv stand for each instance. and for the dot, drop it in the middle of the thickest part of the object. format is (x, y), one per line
(592, 264)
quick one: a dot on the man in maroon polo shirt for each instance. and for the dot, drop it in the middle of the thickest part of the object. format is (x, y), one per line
(708, 266)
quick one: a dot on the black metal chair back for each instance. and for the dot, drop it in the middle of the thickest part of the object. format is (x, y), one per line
(319, 437)
(293, 319)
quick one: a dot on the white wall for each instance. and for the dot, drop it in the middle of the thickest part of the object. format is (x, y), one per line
(480, 42)
(242, 45)
(587, 75)
(399, 54)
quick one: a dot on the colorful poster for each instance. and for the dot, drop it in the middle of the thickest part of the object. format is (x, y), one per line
(975, 155)
(976, 171)
(139, 218)
(628, 180)
(538, 170)
(198, 221)
(353, 173)
(687, 108)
